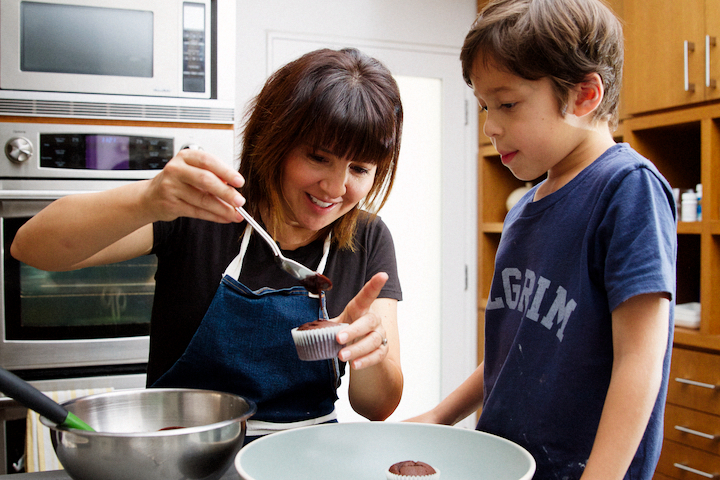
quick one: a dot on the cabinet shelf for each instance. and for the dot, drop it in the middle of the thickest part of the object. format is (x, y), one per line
(693, 338)
(685, 146)
(689, 227)
(714, 227)
(492, 227)
(711, 227)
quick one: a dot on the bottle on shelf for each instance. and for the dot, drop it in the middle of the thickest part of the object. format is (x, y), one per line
(689, 207)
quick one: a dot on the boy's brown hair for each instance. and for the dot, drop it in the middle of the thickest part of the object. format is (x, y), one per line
(563, 40)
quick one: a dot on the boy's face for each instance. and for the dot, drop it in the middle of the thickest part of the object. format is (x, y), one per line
(523, 121)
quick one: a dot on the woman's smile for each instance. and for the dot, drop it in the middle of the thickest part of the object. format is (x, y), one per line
(337, 186)
(319, 202)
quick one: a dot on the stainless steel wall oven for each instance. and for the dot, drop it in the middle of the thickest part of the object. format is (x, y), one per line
(85, 318)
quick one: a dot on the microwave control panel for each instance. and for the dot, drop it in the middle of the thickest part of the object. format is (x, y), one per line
(193, 47)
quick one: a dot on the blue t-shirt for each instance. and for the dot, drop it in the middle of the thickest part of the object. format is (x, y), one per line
(564, 263)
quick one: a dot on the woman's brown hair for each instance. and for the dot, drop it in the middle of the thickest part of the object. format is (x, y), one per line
(343, 101)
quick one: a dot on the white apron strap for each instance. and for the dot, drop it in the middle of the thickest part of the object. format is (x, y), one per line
(233, 269)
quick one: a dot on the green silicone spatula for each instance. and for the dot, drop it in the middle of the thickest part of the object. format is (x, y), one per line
(29, 396)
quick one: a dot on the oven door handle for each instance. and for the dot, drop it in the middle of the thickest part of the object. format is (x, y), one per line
(38, 194)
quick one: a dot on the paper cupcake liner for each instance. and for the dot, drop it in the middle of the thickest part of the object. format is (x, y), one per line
(394, 476)
(317, 344)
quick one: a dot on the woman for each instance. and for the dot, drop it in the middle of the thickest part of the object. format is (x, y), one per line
(321, 141)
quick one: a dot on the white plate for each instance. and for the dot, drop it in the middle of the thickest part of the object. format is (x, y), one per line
(359, 451)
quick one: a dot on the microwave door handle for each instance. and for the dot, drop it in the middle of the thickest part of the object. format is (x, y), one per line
(38, 194)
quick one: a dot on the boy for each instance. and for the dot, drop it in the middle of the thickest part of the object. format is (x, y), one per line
(579, 319)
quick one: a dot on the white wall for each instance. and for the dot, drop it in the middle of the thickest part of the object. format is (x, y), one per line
(422, 27)
(428, 22)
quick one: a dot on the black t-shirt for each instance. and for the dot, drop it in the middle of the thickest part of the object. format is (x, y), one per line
(193, 255)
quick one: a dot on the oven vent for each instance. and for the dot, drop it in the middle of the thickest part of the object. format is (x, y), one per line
(119, 111)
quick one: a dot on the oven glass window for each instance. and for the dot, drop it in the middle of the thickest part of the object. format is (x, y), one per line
(86, 40)
(96, 302)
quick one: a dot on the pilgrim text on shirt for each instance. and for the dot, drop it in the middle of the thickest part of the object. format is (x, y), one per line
(526, 294)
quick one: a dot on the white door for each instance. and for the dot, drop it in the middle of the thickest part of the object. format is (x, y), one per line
(431, 213)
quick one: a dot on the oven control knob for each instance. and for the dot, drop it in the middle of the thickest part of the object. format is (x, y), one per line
(191, 146)
(18, 149)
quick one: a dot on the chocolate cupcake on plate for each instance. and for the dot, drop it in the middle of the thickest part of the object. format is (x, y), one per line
(316, 340)
(412, 470)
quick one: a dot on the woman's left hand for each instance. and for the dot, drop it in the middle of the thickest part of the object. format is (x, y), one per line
(365, 337)
(372, 348)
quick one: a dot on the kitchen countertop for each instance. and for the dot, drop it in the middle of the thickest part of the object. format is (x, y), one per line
(231, 474)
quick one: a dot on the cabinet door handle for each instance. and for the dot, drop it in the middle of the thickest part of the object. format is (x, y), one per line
(692, 470)
(688, 47)
(709, 42)
(695, 432)
(696, 384)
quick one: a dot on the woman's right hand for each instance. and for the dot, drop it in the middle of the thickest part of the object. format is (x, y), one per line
(196, 184)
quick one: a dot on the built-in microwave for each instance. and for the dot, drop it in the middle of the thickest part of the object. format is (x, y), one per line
(146, 48)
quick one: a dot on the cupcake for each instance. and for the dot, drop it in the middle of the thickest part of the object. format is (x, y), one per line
(411, 470)
(316, 340)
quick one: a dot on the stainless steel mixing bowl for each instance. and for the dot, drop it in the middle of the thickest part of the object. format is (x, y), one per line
(129, 442)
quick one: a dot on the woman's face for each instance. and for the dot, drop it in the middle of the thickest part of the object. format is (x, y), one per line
(319, 187)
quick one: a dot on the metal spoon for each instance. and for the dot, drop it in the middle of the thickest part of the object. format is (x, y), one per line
(315, 282)
(32, 398)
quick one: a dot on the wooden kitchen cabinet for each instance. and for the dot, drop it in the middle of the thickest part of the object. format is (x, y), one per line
(685, 146)
(691, 449)
(679, 131)
(672, 53)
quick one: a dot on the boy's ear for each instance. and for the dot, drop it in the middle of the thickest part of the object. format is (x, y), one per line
(588, 95)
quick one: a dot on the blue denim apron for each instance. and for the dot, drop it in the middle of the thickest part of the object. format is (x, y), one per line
(244, 346)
